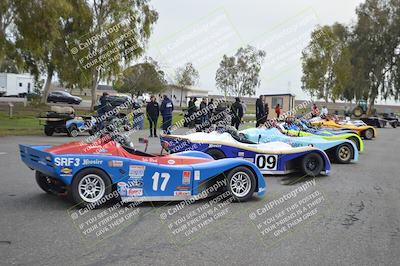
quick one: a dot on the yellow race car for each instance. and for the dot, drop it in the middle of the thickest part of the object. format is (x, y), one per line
(367, 132)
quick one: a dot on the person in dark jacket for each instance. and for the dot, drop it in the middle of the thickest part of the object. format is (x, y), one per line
(266, 108)
(191, 110)
(166, 109)
(260, 111)
(237, 113)
(204, 113)
(152, 111)
(211, 109)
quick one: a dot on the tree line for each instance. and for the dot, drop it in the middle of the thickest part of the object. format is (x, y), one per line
(360, 61)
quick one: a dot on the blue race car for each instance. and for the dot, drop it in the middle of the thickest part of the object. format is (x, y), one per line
(340, 151)
(91, 173)
(270, 158)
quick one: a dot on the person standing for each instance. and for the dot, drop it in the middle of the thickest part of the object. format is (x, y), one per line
(314, 110)
(191, 110)
(152, 111)
(278, 110)
(260, 111)
(237, 113)
(324, 111)
(266, 108)
(203, 111)
(211, 109)
(166, 109)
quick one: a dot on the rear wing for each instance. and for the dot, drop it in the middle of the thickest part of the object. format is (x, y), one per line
(37, 159)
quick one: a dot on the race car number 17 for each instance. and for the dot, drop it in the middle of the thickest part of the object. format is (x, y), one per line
(265, 161)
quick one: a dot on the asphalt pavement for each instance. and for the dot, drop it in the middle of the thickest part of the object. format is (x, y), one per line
(350, 217)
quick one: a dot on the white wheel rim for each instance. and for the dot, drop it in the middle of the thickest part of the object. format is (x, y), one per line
(91, 188)
(240, 184)
(344, 153)
(74, 133)
(368, 134)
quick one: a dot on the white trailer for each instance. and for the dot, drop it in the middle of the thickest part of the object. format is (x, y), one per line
(16, 84)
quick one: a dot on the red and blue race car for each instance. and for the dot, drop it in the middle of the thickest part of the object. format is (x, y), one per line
(91, 173)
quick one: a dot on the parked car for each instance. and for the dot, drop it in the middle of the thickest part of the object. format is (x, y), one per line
(63, 97)
(118, 100)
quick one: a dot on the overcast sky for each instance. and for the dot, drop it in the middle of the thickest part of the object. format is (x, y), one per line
(202, 31)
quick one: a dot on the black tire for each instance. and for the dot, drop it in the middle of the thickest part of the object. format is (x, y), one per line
(355, 141)
(241, 175)
(43, 182)
(73, 131)
(216, 154)
(76, 196)
(312, 164)
(48, 131)
(344, 153)
(369, 133)
(394, 124)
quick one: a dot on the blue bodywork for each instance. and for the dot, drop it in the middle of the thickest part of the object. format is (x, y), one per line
(134, 179)
(271, 163)
(264, 135)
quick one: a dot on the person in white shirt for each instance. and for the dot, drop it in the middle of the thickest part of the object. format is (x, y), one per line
(324, 111)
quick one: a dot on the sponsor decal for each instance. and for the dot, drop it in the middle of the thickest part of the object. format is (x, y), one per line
(136, 170)
(186, 177)
(62, 161)
(182, 193)
(197, 175)
(102, 150)
(183, 188)
(150, 160)
(135, 182)
(171, 161)
(92, 162)
(134, 192)
(122, 188)
(241, 154)
(214, 145)
(66, 170)
(115, 163)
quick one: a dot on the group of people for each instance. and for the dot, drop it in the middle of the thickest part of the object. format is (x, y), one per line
(206, 110)
(316, 112)
(153, 110)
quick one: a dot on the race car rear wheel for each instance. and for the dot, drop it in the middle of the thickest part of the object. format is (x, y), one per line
(43, 182)
(89, 187)
(48, 131)
(216, 154)
(344, 153)
(312, 164)
(369, 133)
(73, 131)
(241, 182)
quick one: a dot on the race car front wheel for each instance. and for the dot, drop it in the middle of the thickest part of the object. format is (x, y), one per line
(312, 164)
(369, 133)
(241, 183)
(90, 186)
(73, 131)
(344, 153)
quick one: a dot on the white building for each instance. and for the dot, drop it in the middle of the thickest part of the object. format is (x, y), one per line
(16, 84)
(180, 96)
